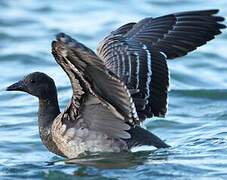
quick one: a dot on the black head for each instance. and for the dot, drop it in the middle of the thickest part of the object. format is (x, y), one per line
(37, 84)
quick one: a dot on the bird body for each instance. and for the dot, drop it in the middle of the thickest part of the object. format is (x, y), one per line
(116, 90)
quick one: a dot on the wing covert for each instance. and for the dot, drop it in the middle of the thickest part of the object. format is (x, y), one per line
(137, 53)
(102, 99)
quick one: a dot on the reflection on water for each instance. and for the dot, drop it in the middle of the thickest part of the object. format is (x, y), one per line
(108, 160)
(196, 123)
(117, 160)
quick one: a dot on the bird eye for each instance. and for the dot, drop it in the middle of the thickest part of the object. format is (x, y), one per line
(32, 81)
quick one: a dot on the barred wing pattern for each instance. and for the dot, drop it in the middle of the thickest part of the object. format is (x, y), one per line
(102, 100)
(143, 70)
(137, 53)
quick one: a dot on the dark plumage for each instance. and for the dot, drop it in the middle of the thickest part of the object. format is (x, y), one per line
(114, 91)
(145, 46)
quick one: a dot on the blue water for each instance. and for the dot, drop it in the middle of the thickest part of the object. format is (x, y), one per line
(196, 123)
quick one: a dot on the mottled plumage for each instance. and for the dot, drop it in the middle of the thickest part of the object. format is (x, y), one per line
(114, 91)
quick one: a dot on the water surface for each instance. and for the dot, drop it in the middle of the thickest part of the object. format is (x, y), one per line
(196, 123)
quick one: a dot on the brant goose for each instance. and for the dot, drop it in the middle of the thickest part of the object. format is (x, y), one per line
(117, 89)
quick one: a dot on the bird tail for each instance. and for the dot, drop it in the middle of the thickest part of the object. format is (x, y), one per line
(140, 137)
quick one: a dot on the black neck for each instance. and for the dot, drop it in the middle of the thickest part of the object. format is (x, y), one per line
(48, 111)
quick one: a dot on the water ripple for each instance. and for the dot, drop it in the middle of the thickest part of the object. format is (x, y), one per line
(195, 125)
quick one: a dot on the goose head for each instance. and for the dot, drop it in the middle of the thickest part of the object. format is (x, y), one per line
(37, 84)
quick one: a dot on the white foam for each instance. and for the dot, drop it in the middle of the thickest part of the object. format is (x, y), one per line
(143, 148)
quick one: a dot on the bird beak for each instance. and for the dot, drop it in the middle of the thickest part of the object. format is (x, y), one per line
(18, 86)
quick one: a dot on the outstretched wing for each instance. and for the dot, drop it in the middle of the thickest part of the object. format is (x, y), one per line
(136, 53)
(179, 33)
(101, 99)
